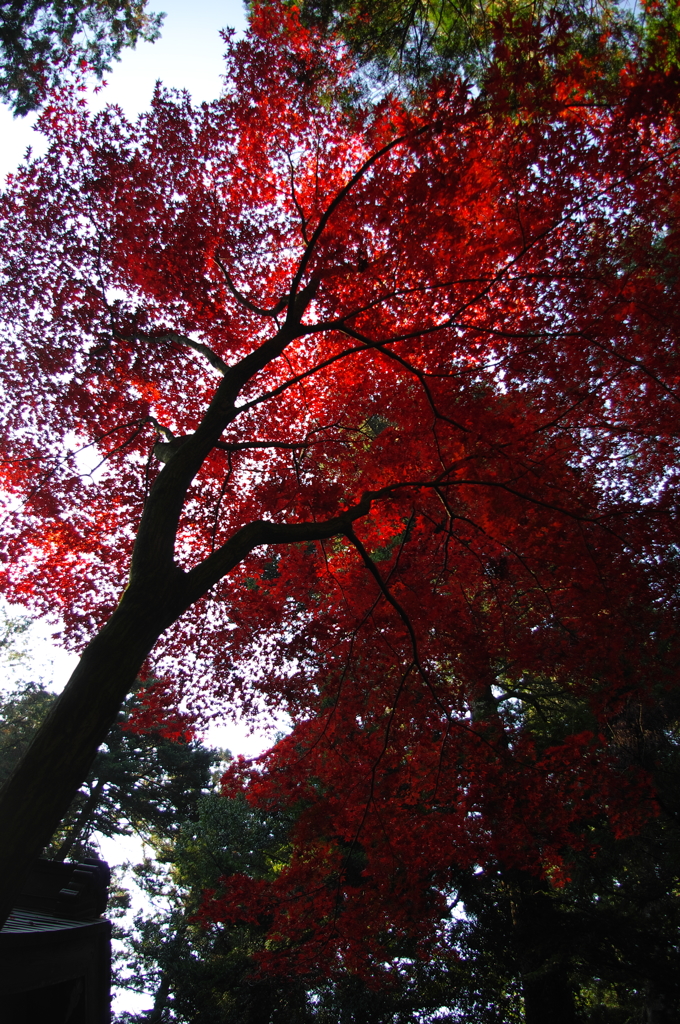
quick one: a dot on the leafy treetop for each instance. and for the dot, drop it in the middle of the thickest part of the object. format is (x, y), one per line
(39, 38)
(384, 409)
(404, 44)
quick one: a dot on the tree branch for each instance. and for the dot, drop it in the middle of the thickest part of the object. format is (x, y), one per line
(243, 300)
(338, 198)
(209, 572)
(180, 339)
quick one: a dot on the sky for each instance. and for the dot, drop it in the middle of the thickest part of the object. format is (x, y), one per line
(187, 56)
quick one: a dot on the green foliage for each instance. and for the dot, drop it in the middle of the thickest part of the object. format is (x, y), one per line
(39, 38)
(13, 636)
(142, 784)
(208, 975)
(608, 938)
(611, 935)
(21, 712)
(24, 704)
(410, 43)
(662, 35)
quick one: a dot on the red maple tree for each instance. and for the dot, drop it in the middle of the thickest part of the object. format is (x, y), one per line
(384, 403)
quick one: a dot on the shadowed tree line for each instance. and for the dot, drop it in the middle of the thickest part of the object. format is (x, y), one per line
(608, 937)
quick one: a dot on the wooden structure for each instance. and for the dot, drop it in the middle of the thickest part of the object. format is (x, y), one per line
(55, 948)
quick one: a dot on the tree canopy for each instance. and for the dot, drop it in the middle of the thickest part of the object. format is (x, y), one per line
(606, 941)
(368, 414)
(404, 45)
(141, 782)
(40, 38)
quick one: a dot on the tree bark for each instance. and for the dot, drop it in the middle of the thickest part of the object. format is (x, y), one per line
(80, 822)
(548, 997)
(542, 951)
(659, 1009)
(38, 793)
(155, 1015)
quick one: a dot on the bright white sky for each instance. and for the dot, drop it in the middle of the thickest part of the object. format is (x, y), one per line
(187, 56)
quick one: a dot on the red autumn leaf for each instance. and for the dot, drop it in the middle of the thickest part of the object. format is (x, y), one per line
(370, 417)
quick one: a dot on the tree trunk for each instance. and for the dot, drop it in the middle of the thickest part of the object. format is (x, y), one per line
(37, 795)
(542, 951)
(80, 822)
(548, 998)
(155, 1015)
(660, 1009)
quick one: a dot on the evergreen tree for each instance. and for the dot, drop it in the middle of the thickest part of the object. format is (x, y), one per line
(143, 783)
(40, 38)
(406, 44)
